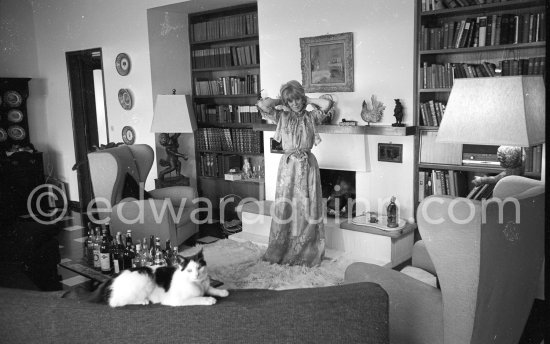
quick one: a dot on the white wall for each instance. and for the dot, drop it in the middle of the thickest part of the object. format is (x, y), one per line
(383, 35)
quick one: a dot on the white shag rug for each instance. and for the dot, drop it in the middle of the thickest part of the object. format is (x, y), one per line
(239, 266)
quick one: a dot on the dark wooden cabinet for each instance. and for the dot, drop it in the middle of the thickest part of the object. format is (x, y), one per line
(20, 173)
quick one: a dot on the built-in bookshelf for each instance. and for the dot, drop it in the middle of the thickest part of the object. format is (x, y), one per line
(469, 39)
(225, 62)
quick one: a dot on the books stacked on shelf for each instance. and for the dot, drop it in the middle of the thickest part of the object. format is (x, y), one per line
(441, 182)
(484, 31)
(432, 113)
(210, 113)
(532, 159)
(225, 27)
(216, 165)
(225, 57)
(530, 66)
(230, 85)
(437, 75)
(229, 140)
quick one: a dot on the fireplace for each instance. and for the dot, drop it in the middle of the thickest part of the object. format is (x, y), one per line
(339, 192)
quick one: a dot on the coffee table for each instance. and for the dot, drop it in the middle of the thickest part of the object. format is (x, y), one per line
(84, 269)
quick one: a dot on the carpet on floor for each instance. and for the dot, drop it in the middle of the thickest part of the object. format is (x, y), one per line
(239, 266)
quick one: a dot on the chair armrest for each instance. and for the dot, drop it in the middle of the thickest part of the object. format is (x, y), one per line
(415, 307)
(421, 258)
(177, 194)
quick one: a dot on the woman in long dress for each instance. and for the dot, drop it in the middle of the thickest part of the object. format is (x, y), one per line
(297, 235)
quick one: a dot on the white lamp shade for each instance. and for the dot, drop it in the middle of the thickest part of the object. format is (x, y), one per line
(495, 111)
(173, 114)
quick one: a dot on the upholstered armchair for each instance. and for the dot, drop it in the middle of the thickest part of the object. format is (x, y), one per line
(488, 259)
(116, 174)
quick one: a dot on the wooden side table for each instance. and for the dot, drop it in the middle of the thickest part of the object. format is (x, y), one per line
(171, 181)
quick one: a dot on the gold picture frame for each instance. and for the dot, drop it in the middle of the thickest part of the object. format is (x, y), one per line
(327, 63)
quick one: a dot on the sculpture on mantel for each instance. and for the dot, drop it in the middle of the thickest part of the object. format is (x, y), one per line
(398, 114)
(372, 112)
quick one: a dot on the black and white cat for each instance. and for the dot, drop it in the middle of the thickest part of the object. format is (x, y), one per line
(185, 284)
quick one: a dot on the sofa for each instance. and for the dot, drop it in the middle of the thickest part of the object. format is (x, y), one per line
(354, 313)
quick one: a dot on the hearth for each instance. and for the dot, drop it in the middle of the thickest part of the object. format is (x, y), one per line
(339, 192)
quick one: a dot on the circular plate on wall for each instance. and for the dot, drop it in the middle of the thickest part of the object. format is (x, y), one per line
(123, 64)
(128, 135)
(16, 132)
(3, 135)
(125, 98)
(15, 116)
(13, 98)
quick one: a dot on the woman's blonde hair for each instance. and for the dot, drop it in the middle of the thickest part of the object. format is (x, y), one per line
(292, 90)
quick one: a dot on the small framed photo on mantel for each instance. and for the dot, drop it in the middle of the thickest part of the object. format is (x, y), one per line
(327, 63)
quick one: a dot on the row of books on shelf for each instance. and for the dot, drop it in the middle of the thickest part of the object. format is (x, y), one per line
(452, 183)
(216, 165)
(209, 113)
(443, 75)
(432, 112)
(532, 159)
(225, 27)
(229, 140)
(226, 56)
(485, 31)
(227, 85)
(433, 5)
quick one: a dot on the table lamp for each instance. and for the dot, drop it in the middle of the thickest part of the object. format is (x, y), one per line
(172, 115)
(507, 111)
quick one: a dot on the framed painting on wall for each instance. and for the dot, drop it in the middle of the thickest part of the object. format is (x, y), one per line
(327, 63)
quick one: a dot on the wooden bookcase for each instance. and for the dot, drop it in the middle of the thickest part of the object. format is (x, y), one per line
(225, 64)
(442, 55)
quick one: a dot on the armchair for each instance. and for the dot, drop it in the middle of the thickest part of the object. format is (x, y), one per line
(487, 257)
(109, 169)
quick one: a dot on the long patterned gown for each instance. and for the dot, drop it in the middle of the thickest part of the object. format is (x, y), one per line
(297, 235)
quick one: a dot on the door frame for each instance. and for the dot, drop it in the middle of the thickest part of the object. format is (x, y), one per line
(80, 66)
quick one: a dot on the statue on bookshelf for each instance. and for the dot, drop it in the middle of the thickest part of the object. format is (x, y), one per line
(172, 162)
(398, 114)
(510, 159)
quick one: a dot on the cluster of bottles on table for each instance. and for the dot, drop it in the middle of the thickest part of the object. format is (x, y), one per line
(113, 254)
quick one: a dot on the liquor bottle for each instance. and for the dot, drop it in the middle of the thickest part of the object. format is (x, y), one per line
(159, 256)
(105, 254)
(168, 253)
(116, 254)
(152, 246)
(144, 254)
(127, 255)
(97, 244)
(392, 213)
(90, 247)
(175, 256)
(136, 262)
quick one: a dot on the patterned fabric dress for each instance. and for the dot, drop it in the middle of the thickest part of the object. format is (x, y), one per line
(297, 235)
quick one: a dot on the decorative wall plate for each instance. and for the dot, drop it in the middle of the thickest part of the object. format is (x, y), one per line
(128, 135)
(123, 64)
(13, 98)
(15, 116)
(125, 98)
(3, 135)
(16, 132)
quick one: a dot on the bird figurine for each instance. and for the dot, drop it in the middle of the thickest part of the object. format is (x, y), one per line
(372, 112)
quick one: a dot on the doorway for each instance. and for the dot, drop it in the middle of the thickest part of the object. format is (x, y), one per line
(89, 117)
